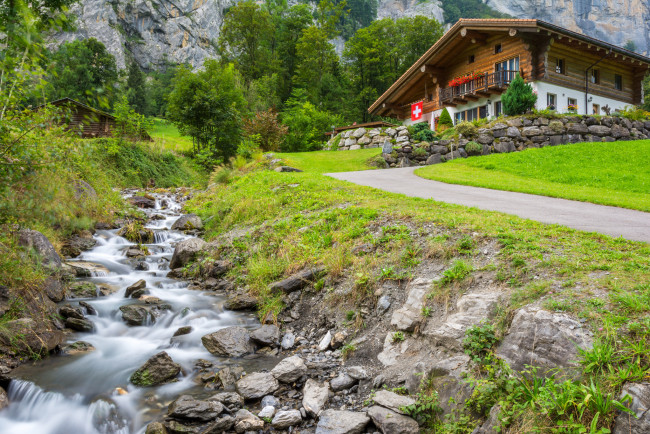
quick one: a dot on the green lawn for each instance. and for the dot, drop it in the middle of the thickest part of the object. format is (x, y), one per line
(330, 161)
(615, 174)
(166, 135)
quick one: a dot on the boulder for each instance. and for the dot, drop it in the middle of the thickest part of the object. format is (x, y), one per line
(90, 310)
(173, 426)
(42, 247)
(341, 382)
(33, 340)
(186, 251)
(78, 347)
(187, 407)
(287, 169)
(619, 132)
(392, 400)
(229, 399)
(341, 422)
(350, 142)
(231, 341)
(390, 422)
(434, 159)
(83, 289)
(409, 315)
(299, 280)
(185, 330)
(246, 421)
(266, 412)
(315, 397)
(187, 222)
(285, 419)
(544, 339)
(325, 342)
(52, 287)
(136, 315)
(355, 147)
(504, 147)
(270, 400)
(136, 290)
(290, 369)
(513, 132)
(338, 339)
(87, 269)
(67, 311)
(78, 243)
(531, 131)
(359, 132)
(358, 373)
(600, 130)
(241, 302)
(266, 335)
(80, 325)
(364, 141)
(640, 405)
(159, 369)
(4, 399)
(142, 202)
(288, 341)
(219, 268)
(576, 128)
(257, 385)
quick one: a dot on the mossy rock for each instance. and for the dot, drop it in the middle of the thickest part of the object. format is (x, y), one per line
(83, 289)
(159, 369)
(137, 233)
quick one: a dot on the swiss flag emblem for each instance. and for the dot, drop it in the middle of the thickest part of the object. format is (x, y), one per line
(416, 111)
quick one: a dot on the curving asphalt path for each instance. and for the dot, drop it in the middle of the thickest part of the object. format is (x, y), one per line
(630, 224)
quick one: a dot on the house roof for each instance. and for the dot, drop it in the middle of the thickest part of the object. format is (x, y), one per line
(75, 102)
(523, 25)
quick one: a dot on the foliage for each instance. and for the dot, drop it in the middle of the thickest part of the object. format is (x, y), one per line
(397, 336)
(269, 132)
(456, 273)
(208, 105)
(421, 132)
(82, 70)
(478, 343)
(445, 119)
(473, 148)
(467, 129)
(130, 125)
(135, 88)
(426, 407)
(327, 161)
(454, 10)
(555, 171)
(306, 124)
(519, 98)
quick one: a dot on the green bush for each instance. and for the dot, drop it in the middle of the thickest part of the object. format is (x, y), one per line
(445, 119)
(519, 98)
(473, 148)
(421, 132)
(420, 152)
(467, 129)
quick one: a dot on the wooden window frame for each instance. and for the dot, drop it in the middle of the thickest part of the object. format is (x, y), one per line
(618, 82)
(548, 100)
(594, 77)
(560, 66)
(498, 48)
(471, 59)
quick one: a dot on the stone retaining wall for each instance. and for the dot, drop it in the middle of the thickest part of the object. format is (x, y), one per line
(517, 134)
(360, 138)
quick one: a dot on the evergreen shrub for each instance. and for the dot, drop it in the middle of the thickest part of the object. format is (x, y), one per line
(519, 98)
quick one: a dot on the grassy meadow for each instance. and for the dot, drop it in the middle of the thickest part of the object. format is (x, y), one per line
(330, 161)
(616, 174)
(166, 135)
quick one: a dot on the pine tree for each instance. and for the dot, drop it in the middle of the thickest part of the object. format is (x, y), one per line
(519, 98)
(135, 88)
(444, 120)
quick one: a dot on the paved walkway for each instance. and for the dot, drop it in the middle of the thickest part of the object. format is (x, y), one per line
(630, 224)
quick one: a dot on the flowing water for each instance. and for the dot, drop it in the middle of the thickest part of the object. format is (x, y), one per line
(80, 393)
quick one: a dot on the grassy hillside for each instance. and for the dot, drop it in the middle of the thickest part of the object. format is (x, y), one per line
(166, 135)
(615, 174)
(273, 224)
(331, 161)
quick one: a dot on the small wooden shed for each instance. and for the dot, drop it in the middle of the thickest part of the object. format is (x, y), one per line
(89, 122)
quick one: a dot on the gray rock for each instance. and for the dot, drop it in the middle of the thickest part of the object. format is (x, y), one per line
(342, 382)
(600, 130)
(409, 315)
(434, 159)
(513, 132)
(188, 222)
(285, 419)
(355, 147)
(268, 334)
(531, 131)
(136, 315)
(325, 341)
(288, 341)
(298, 280)
(229, 399)
(392, 400)
(187, 407)
(390, 422)
(231, 341)
(185, 330)
(159, 369)
(544, 339)
(491, 423)
(136, 290)
(220, 425)
(67, 311)
(83, 190)
(640, 405)
(241, 302)
(350, 142)
(246, 421)
(142, 202)
(156, 428)
(383, 304)
(87, 269)
(485, 139)
(52, 287)
(287, 169)
(504, 147)
(619, 132)
(391, 132)
(290, 369)
(257, 385)
(359, 132)
(374, 132)
(341, 422)
(315, 397)
(270, 400)
(266, 412)
(576, 128)
(358, 373)
(33, 338)
(186, 251)
(41, 246)
(4, 399)
(364, 141)
(80, 325)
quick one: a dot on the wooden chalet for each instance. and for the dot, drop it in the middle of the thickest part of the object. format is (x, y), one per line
(473, 63)
(89, 122)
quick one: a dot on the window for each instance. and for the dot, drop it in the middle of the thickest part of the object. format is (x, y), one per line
(618, 82)
(572, 104)
(497, 48)
(430, 97)
(551, 101)
(596, 109)
(595, 76)
(497, 108)
(560, 66)
(471, 114)
(511, 67)
(470, 59)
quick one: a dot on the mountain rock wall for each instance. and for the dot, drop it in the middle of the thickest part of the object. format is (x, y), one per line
(613, 21)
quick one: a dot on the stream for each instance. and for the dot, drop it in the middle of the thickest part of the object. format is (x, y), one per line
(90, 392)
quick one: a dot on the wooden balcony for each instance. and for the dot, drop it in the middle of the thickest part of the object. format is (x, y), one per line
(482, 87)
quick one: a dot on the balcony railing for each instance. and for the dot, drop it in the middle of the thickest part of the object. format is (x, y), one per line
(492, 81)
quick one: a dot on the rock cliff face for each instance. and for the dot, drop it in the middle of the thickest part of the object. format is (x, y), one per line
(186, 31)
(614, 21)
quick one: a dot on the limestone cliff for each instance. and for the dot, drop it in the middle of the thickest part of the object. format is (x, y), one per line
(614, 21)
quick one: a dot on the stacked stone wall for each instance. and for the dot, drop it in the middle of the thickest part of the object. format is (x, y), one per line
(361, 138)
(517, 134)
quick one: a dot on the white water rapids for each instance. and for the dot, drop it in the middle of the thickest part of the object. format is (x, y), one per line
(78, 394)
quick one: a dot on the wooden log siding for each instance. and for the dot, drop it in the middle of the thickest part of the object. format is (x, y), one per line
(577, 61)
